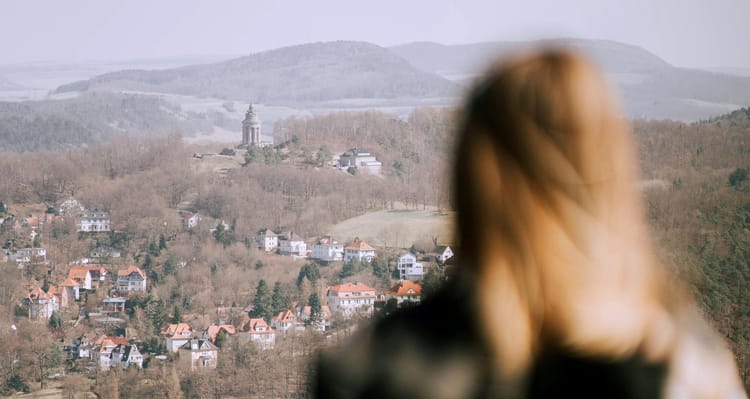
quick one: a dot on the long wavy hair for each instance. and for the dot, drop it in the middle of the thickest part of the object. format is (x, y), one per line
(551, 227)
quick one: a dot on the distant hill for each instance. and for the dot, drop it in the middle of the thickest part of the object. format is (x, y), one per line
(298, 74)
(90, 118)
(651, 87)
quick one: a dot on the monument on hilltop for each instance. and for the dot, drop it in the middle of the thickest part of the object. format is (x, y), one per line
(250, 129)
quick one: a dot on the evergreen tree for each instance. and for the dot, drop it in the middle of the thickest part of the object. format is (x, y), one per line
(279, 300)
(316, 311)
(176, 314)
(309, 270)
(162, 242)
(262, 306)
(55, 321)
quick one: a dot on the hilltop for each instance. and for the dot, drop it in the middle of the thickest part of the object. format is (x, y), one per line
(297, 74)
(651, 87)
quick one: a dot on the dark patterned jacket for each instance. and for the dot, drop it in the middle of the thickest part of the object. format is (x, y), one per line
(435, 350)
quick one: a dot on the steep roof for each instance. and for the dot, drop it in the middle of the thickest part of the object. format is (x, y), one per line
(78, 273)
(351, 287)
(359, 245)
(177, 331)
(253, 325)
(130, 270)
(405, 288)
(213, 331)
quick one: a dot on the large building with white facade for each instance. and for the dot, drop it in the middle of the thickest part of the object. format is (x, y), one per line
(351, 298)
(328, 250)
(360, 159)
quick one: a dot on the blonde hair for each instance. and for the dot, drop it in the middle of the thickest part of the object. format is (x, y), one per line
(550, 224)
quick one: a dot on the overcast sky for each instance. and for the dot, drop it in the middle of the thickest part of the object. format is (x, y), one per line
(689, 33)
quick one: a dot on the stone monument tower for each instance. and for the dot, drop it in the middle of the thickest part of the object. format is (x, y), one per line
(250, 129)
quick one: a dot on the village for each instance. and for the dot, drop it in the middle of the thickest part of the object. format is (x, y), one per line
(106, 309)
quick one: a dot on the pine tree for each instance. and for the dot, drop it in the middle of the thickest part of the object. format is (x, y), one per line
(262, 306)
(316, 311)
(279, 300)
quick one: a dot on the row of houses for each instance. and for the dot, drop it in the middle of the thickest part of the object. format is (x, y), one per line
(41, 304)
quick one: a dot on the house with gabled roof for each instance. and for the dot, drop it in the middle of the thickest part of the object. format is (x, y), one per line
(443, 253)
(176, 335)
(351, 298)
(328, 250)
(405, 291)
(266, 240)
(284, 320)
(40, 304)
(81, 275)
(198, 354)
(258, 331)
(359, 250)
(214, 330)
(131, 279)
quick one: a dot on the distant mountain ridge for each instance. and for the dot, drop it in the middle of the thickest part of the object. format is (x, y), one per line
(324, 73)
(651, 87)
(298, 74)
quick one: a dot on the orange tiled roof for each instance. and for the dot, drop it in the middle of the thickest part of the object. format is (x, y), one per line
(179, 330)
(213, 330)
(350, 287)
(405, 288)
(285, 315)
(78, 273)
(359, 245)
(253, 324)
(69, 283)
(131, 269)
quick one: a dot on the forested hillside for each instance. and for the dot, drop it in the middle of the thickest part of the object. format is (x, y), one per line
(696, 189)
(298, 74)
(698, 204)
(90, 118)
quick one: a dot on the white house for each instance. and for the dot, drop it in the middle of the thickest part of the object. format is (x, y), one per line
(328, 250)
(409, 268)
(266, 240)
(361, 160)
(258, 331)
(40, 304)
(284, 321)
(198, 354)
(94, 220)
(176, 335)
(405, 291)
(28, 255)
(359, 250)
(351, 298)
(131, 279)
(443, 253)
(126, 356)
(292, 244)
(81, 275)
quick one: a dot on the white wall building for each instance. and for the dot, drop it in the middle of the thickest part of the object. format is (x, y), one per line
(409, 268)
(359, 250)
(360, 159)
(351, 298)
(266, 240)
(328, 250)
(292, 244)
(131, 279)
(94, 220)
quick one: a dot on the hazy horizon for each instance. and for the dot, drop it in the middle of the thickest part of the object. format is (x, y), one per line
(684, 33)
